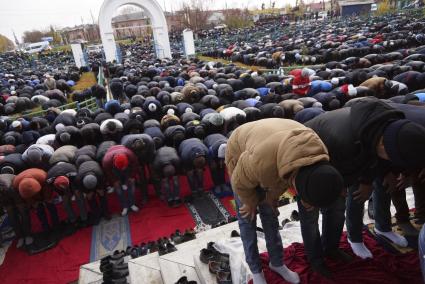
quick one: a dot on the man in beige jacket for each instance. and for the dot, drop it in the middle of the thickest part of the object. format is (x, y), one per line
(264, 158)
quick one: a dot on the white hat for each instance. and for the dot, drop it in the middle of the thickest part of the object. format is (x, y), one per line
(221, 151)
(352, 91)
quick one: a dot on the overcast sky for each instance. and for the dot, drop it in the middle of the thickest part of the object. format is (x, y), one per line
(22, 15)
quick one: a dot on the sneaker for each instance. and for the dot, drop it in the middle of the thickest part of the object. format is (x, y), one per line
(110, 189)
(20, 243)
(215, 267)
(171, 247)
(134, 208)
(28, 241)
(124, 212)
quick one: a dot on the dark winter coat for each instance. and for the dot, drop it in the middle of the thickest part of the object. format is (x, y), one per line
(90, 134)
(213, 142)
(8, 195)
(191, 148)
(145, 155)
(89, 168)
(351, 135)
(103, 148)
(15, 161)
(166, 156)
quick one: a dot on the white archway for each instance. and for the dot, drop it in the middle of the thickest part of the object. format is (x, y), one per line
(152, 9)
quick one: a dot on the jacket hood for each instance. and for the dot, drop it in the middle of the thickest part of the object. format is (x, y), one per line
(369, 117)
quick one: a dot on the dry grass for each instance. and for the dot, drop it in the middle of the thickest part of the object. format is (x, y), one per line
(287, 69)
(87, 80)
(206, 58)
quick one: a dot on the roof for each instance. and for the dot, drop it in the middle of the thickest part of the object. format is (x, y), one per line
(356, 2)
(129, 17)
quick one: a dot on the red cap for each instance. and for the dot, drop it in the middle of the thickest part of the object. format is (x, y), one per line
(61, 182)
(120, 161)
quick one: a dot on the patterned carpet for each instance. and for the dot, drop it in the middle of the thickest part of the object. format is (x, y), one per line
(109, 236)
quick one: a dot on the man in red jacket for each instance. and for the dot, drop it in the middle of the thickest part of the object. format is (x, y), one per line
(121, 167)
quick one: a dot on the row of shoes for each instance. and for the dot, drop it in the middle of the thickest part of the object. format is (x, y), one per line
(222, 223)
(218, 263)
(162, 245)
(114, 268)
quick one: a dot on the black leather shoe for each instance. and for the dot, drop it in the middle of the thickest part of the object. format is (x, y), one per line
(216, 267)
(153, 247)
(170, 247)
(143, 249)
(208, 255)
(177, 237)
(162, 249)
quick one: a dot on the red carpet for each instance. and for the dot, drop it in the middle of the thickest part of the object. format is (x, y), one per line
(383, 268)
(61, 264)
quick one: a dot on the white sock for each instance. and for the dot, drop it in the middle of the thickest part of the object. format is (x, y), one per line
(20, 243)
(124, 212)
(28, 241)
(394, 237)
(258, 278)
(134, 208)
(360, 250)
(286, 273)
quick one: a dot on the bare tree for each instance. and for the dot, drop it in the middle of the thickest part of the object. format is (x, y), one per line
(196, 14)
(32, 36)
(128, 9)
(237, 18)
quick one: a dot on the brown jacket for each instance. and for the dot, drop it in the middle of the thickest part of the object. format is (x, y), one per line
(265, 153)
(40, 175)
(376, 84)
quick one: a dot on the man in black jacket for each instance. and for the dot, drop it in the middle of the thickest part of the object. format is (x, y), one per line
(357, 138)
(216, 144)
(193, 155)
(166, 167)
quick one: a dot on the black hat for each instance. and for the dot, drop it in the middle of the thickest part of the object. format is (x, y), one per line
(404, 142)
(319, 184)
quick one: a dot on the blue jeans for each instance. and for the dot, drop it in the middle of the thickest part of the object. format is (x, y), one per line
(125, 202)
(196, 180)
(171, 187)
(248, 231)
(354, 215)
(355, 211)
(67, 204)
(381, 206)
(317, 246)
(41, 213)
(422, 251)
